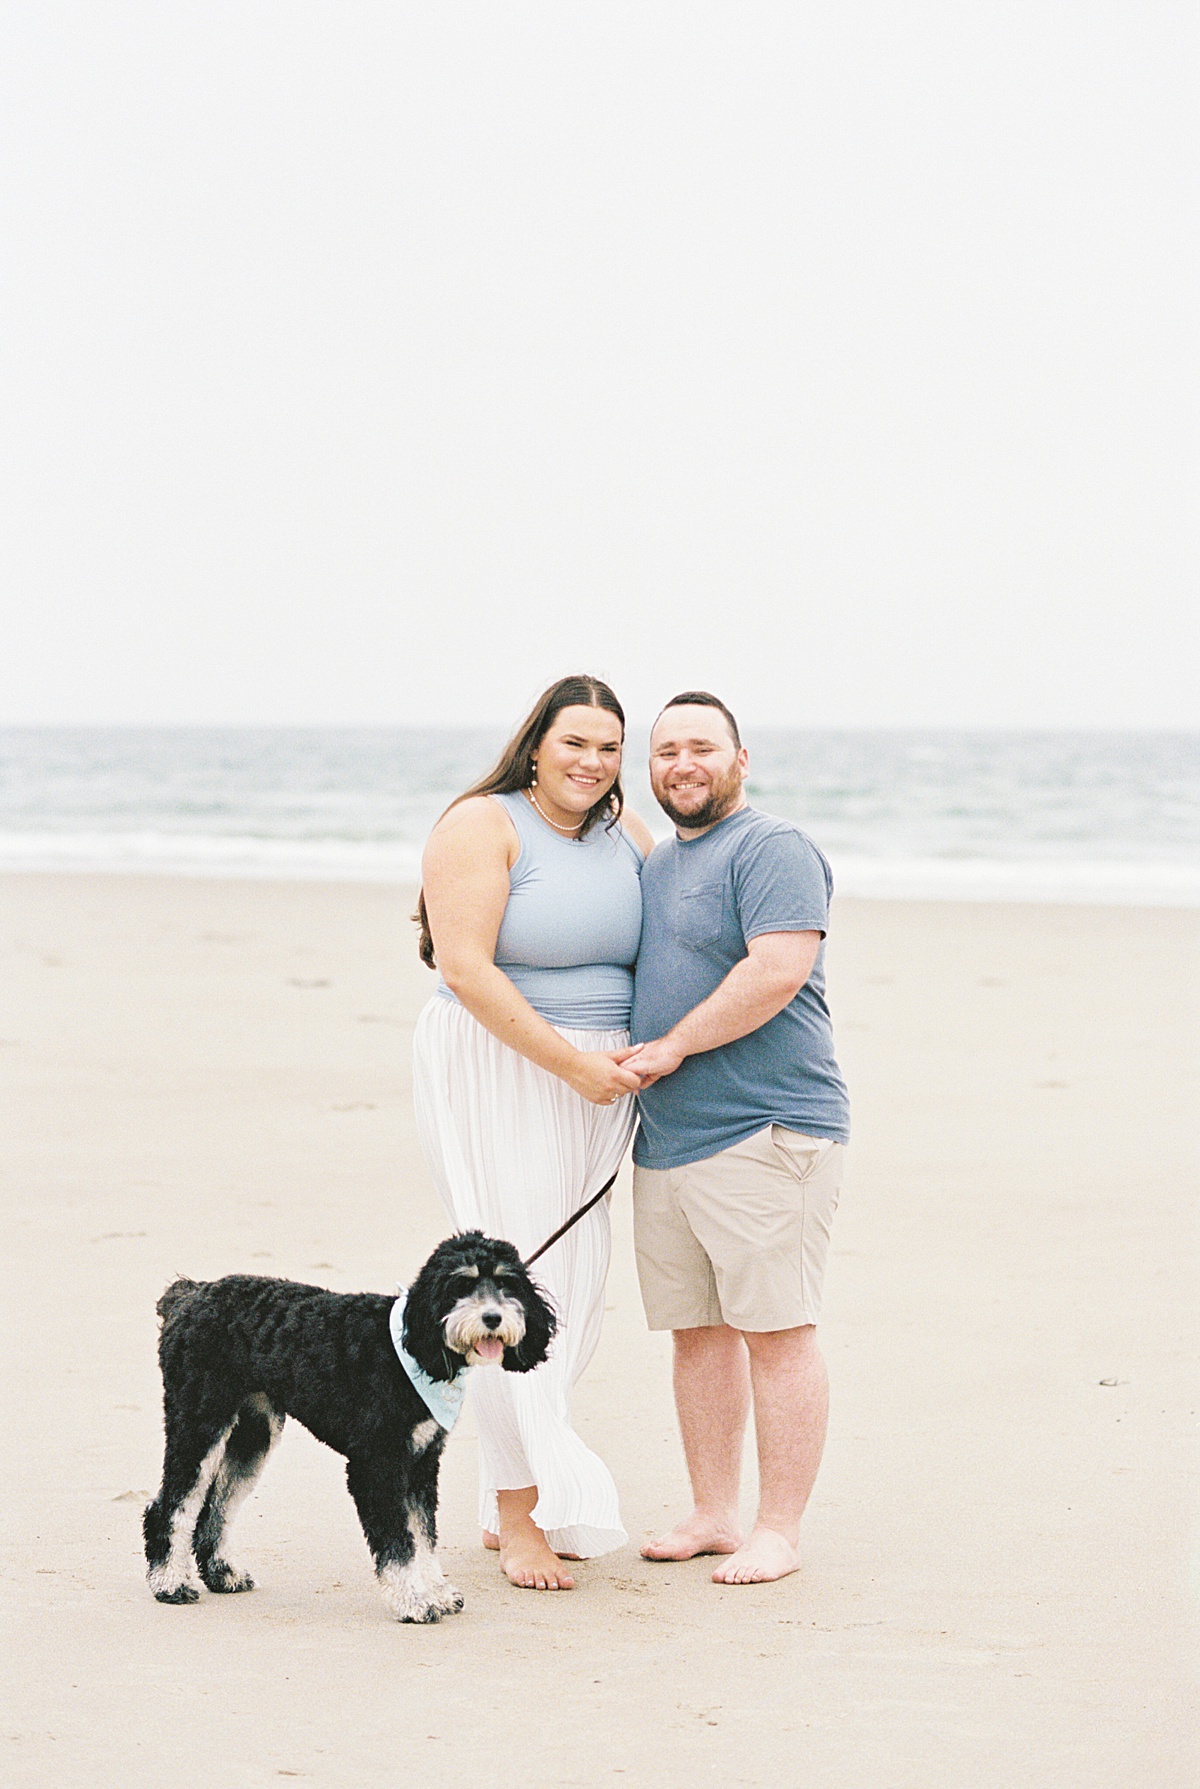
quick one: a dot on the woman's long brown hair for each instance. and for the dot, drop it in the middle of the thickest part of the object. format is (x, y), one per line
(514, 769)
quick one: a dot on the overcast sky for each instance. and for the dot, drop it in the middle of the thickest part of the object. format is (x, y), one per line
(377, 362)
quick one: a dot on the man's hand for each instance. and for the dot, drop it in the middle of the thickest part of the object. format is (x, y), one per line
(654, 1060)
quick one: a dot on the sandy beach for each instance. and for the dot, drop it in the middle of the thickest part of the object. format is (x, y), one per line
(999, 1583)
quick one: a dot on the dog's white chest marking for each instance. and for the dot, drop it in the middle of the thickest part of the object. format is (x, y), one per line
(423, 1434)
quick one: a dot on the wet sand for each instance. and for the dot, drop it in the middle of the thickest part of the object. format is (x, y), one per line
(999, 1583)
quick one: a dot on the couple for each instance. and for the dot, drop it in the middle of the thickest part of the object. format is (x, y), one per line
(560, 932)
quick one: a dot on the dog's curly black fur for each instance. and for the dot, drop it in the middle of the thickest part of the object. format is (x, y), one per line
(241, 1354)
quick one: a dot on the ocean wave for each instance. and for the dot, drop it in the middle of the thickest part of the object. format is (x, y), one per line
(1080, 881)
(211, 854)
(1086, 881)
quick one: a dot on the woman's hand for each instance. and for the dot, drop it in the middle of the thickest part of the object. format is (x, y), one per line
(599, 1077)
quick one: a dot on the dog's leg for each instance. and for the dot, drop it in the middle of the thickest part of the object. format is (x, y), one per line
(394, 1487)
(422, 1516)
(170, 1520)
(254, 1434)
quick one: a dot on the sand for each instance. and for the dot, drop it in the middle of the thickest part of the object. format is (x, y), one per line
(999, 1583)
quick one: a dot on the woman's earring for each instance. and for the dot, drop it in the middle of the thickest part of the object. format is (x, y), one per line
(533, 774)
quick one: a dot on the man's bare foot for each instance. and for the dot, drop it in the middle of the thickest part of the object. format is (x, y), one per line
(529, 1563)
(767, 1555)
(699, 1534)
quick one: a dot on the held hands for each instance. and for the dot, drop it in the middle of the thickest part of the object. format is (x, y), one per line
(605, 1076)
(599, 1076)
(650, 1062)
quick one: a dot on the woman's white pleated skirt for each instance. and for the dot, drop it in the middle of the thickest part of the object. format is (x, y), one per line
(514, 1151)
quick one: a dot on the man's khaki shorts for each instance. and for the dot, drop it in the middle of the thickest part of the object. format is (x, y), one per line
(741, 1238)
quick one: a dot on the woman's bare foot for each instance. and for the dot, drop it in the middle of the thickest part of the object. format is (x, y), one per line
(492, 1543)
(767, 1555)
(526, 1557)
(529, 1563)
(699, 1534)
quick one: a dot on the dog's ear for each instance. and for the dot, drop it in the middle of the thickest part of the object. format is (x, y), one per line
(423, 1338)
(540, 1326)
(425, 1308)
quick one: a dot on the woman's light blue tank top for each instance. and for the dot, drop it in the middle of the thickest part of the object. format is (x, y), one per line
(570, 930)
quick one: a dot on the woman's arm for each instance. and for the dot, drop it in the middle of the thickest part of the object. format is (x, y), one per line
(465, 877)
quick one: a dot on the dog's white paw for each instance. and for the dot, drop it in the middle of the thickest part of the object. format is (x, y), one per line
(424, 1614)
(417, 1594)
(170, 1587)
(423, 1605)
(225, 1579)
(450, 1601)
(415, 1605)
(183, 1593)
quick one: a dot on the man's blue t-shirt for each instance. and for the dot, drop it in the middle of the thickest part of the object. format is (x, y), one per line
(703, 900)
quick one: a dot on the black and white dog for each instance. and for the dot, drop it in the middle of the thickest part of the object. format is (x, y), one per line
(241, 1354)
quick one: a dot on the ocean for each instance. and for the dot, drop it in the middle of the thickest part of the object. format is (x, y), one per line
(1091, 817)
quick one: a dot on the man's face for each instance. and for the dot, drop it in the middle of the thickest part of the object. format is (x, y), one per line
(696, 771)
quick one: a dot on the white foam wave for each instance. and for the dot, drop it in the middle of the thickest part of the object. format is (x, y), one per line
(212, 854)
(1087, 882)
(1131, 882)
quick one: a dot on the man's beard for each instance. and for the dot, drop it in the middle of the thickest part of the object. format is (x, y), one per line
(722, 799)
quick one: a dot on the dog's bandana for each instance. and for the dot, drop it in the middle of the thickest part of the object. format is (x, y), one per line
(443, 1398)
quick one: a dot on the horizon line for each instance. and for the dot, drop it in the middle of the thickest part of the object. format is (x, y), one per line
(491, 724)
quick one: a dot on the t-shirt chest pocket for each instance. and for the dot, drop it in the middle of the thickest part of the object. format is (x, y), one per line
(698, 914)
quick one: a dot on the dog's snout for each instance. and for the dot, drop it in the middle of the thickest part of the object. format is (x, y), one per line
(492, 1319)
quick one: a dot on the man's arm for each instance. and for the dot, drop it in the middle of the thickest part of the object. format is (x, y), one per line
(773, 972)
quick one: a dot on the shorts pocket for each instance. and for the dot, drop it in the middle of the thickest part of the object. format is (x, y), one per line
(699, 914)
(805, 1154)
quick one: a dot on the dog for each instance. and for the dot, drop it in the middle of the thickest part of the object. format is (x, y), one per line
(241, 1354)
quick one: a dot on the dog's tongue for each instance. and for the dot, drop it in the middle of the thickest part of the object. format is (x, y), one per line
(490, 1348)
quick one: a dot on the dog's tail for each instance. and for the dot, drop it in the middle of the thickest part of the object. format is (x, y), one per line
(174, 1294)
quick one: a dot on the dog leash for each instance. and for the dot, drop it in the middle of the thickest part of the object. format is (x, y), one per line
(572, 1221)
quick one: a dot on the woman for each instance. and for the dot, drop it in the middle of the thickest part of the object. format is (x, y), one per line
(531, 901)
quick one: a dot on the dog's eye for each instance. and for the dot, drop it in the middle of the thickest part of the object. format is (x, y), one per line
(503, 1273)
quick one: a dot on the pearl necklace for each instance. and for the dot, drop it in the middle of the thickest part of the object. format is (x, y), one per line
(545, 816)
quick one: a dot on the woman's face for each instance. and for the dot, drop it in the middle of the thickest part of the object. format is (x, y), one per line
(578, 759)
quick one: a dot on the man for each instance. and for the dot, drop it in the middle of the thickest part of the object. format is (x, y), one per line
(744, 1122)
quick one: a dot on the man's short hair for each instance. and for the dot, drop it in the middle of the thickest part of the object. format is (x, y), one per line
(702, 699)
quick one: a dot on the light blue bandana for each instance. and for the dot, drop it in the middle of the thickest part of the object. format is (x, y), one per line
(443, 1397)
